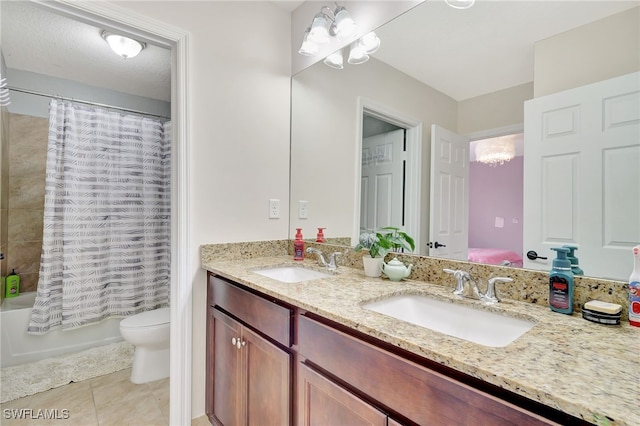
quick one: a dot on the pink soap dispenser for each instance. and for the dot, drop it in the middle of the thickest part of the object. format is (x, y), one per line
(298, 245)
(320, 236)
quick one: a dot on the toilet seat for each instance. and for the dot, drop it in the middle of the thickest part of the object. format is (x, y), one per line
(151, 318)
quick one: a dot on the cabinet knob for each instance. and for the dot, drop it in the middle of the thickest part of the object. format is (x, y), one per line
(234, 341)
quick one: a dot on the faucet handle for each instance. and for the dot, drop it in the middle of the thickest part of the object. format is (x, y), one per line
(333, 259)
(491, 296)
(461, 278)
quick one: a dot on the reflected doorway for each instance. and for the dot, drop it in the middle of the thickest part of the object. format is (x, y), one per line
(387, 136)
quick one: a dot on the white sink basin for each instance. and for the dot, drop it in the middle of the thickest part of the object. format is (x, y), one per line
(292, 274)
(475, 325)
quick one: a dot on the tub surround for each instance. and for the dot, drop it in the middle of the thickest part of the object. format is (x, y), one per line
(584, 369)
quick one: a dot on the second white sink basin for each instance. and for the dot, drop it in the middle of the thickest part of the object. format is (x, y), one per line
(475, 325)
(292, 274)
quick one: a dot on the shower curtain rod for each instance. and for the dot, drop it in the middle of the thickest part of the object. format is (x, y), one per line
(64, 98)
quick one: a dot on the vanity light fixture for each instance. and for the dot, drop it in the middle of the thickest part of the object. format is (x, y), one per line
(328, 23)
(308, 48)
(337, 23)
(460, 4)
(496, 151)
(123, 46)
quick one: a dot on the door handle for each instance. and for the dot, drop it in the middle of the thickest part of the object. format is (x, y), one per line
(436, 245)
(532, 255)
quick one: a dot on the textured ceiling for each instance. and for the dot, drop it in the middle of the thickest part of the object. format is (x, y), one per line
(37, 40)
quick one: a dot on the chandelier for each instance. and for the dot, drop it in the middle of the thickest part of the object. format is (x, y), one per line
(496, 151)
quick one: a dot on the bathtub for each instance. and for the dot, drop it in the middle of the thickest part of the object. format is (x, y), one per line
(18, 347)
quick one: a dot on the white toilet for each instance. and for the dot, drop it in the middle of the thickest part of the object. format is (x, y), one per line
(149, 332)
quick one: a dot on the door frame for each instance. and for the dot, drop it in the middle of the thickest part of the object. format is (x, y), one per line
(115, 18)
(413, 175)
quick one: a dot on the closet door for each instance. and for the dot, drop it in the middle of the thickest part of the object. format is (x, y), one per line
(582, 174)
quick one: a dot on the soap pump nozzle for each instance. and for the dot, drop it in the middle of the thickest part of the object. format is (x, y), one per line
(561, 261)
(574, 260)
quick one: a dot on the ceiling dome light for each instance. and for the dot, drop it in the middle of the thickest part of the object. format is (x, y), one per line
(460, 4)
(123, 46)
(335, 60)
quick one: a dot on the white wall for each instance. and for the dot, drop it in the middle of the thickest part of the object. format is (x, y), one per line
(494, 110)
(603, 49)
(324, 145)
(239, 78)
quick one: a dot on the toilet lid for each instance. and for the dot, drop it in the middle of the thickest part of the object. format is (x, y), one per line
(148, 318)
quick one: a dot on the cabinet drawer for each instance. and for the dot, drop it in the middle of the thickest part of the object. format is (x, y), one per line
(269, 318)
(416, 392)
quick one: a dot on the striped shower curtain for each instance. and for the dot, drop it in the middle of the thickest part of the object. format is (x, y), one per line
(106, 238)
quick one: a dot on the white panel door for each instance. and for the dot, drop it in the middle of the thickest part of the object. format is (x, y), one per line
(382, 186)
(449, 215)
(582, 175)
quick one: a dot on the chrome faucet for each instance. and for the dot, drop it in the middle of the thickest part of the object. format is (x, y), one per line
(332, 264)
(468, 287)
(463, 288)
(491, 296)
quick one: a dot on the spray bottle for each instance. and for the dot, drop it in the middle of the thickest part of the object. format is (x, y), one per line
(634, 289)
(561, 283)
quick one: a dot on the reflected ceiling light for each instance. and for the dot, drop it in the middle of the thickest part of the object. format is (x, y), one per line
(460, 4)
(357, 53)
(335, 60)
(370, 42)
(495, 151)
(123, 46)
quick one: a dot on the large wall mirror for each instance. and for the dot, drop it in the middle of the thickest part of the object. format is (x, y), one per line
(467, 71)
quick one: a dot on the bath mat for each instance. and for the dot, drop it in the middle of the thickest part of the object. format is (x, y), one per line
(28, 379)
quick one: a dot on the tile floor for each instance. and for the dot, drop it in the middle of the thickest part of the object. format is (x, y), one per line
(106, 400)
(109, 400)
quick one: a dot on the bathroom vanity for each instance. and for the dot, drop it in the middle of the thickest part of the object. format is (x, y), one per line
(309, 353)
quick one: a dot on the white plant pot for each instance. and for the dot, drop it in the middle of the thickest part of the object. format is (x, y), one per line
(372, 265)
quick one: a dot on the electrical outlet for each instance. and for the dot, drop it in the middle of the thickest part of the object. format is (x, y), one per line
(274, 208)
(303, 209)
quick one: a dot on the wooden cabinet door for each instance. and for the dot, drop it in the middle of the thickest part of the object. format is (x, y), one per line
(268, 374)
(227, 371)
(322, 402)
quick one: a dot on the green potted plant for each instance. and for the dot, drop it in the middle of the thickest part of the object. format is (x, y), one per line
(378, 244)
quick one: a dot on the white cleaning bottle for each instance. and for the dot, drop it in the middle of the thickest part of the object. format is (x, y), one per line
(634, 289)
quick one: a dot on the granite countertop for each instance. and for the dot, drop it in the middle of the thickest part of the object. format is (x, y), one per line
(585, 369)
